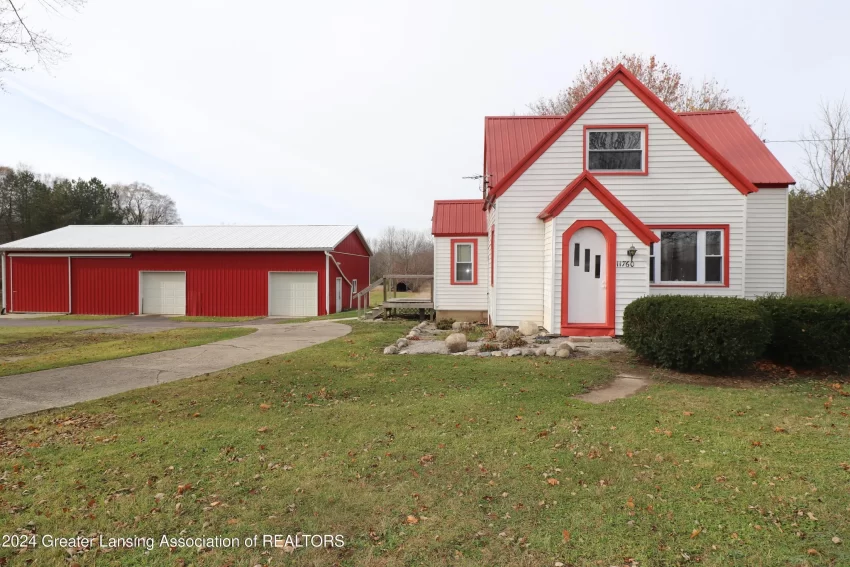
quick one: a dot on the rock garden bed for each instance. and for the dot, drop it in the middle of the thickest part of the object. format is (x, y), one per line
(527, 340)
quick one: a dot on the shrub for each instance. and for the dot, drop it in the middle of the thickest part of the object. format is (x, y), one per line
(514, 341)
(489, 347)
(809, 332)
(445, 324)
(705, 334)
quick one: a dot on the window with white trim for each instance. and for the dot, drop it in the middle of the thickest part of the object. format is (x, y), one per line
(616, 150)
(687, 256)
(464, 269)
(354, 286)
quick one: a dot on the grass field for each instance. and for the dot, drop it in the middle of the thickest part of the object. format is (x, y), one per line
(437, 460)
(206, 319)
(28, 349)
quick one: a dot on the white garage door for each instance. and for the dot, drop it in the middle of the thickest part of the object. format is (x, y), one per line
(164, 293)
(294, 294)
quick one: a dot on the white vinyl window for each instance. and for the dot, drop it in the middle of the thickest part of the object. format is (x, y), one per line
(686, 256)
(464, 269)
(616, 150)
(354, 286)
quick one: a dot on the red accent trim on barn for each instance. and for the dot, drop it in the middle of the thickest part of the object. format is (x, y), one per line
(474, 242)
(587, 181)
(726, 252)
(589, 329)
(354, 243)
(644, 127)
(676, 123)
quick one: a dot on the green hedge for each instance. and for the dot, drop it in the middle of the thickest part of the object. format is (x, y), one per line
(689, 333)
(809, 332)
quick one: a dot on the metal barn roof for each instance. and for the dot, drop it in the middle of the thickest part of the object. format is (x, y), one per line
(733, 138)
(459, 218)
(179, 237)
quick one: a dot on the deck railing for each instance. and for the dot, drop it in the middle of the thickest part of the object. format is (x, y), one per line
(388, 282)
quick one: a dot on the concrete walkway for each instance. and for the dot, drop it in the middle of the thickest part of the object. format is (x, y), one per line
(25, 393)
(623, 386)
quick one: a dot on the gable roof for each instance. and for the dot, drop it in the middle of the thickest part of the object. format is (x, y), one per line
(464, 217)
(587, 181)
(507, 139)
(676, 123)
(180, 237)
(730, 135)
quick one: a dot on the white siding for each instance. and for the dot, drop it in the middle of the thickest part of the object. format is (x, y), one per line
(681, 188)
(767, 236)
(548, 275)
(448, 297)
(632, 283)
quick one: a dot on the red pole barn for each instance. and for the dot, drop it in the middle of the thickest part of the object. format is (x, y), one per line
(226, 271)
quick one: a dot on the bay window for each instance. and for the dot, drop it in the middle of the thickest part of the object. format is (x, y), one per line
(689, 256)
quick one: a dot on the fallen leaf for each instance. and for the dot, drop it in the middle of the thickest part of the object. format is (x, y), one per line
(553, 481)
(184, 487)
(262, 429)
(836, 540)
(566, 534)
(411, 520)
(688, 413)
(196, 415)
(812, 551)
(779, 430)
(811, 516)
(265, 406)
(630, 502)
(696, 532)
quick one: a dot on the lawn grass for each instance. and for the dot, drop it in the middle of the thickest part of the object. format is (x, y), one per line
(28, 349)
(438, 460)
(332, 316)
(73, 317)
(208, 319)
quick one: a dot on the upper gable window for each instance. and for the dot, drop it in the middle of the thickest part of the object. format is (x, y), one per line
(615, 150)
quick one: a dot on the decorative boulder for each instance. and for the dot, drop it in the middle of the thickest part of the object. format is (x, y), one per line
(528, 328)
(539, 351)
(515, 352)
(565, 346)
(392, 349)
(528, 352)
(551, 351)
(456, 342)
(564, 353)
(497, 353)
(504, 334)
(457, 326)
(401, 343)
(471, 352)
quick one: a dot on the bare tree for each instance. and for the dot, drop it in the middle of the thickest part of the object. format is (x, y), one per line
(402, 251)
(20, 42)
(661, 78)
(142, 205)
(819, 215)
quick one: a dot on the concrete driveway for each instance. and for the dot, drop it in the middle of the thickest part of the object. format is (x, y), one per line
(25, 393)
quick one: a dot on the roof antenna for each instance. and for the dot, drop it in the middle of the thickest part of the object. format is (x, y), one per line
(479, 176)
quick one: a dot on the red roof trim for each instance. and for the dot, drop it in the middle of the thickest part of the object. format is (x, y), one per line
(587, 181)
(620, 73)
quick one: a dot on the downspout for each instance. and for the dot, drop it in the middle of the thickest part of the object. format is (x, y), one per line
(327, 285)
(3, 282)
(338, 267)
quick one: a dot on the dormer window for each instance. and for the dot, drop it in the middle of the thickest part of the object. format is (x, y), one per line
(615, 150)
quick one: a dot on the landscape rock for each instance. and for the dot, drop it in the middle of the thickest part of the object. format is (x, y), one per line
(528, 352)
(483, 354)
(539, 351)
(401, 343)
(564, 353)
(392, 349)
(497, 353)
(456, 342)
(471, 352)
(551, 351)
(504, 334)
(528, 328)
(515, 352)
(565, 346)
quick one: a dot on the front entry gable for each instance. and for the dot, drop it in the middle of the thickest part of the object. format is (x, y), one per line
(606, 198)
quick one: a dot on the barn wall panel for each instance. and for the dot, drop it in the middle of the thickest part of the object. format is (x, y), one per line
(352, 244)
(38, 285)
(225, 284)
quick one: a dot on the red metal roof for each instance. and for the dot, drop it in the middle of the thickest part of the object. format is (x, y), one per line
(464, 217)
(732, 137)
(507, 139)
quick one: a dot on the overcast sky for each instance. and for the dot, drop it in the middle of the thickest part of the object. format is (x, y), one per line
(280, 112)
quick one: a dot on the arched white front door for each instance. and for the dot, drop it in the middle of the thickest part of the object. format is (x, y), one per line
(587, 297)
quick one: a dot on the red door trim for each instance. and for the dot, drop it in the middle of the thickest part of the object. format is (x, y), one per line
(605, 329)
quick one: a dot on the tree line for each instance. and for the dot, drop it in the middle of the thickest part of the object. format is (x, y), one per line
(31, 204)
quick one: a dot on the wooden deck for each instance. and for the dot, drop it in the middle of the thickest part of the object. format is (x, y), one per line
(422, 305)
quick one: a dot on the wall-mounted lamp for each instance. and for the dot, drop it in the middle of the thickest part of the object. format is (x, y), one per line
(631, 252)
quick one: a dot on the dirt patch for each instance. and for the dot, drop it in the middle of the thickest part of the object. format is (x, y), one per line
(623, 386)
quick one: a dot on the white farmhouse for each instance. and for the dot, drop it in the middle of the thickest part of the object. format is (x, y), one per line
(619, 199)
